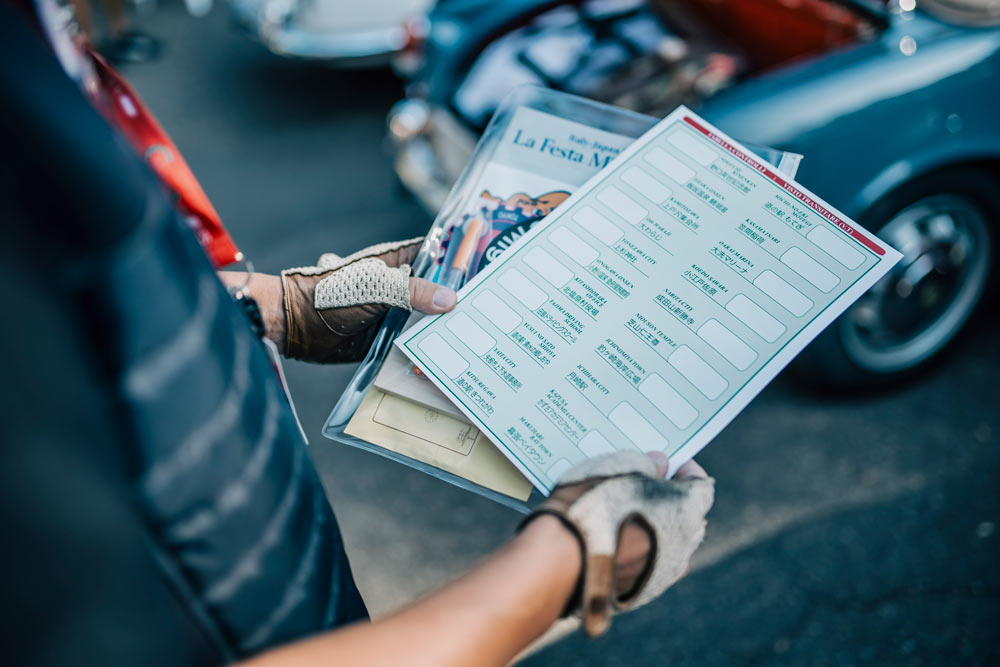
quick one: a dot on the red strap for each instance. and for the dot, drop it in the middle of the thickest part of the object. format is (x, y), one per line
(120, 105)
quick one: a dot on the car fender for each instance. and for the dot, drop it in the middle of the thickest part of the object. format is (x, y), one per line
(921, 164)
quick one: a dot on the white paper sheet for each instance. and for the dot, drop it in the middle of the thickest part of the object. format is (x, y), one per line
(648, 309)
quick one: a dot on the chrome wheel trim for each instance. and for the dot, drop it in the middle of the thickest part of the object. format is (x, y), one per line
(945, 241)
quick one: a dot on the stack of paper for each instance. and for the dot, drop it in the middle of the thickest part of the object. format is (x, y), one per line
(649, 308)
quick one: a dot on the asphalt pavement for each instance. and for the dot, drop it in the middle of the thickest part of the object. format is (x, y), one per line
(845, 531)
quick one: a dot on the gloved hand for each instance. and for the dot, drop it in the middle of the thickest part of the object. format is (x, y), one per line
(333, 309)
(597, 499)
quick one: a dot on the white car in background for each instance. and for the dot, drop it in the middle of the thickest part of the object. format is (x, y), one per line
(348, 34)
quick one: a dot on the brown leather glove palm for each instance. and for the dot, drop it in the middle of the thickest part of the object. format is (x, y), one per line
(333, 310)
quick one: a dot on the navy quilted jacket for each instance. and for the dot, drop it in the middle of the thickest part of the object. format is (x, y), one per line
(158, 505)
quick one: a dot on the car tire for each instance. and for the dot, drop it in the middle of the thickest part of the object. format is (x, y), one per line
(944, 223)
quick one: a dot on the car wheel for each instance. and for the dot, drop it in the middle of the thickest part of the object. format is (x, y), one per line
(944, 224)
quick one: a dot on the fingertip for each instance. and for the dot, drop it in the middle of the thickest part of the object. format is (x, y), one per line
(691, 470)
(431, 298)
(444, 299)
(661, 461)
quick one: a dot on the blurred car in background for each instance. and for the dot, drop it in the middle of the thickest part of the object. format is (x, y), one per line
(347, 34)
(894, 107)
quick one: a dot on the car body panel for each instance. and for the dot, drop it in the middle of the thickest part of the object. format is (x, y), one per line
(768, 33)
(340, 33)
(870, 118)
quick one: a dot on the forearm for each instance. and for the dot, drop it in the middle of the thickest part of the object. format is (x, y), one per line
(485, 618)
(266, 291)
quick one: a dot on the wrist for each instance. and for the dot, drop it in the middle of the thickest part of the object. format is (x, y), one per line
(561, 546)
(547, 529)
(276, 321)
(268, 292)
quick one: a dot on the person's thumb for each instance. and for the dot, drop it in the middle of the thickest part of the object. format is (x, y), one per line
(431, 298)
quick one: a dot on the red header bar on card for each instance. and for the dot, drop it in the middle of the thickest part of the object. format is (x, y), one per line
(846, 227)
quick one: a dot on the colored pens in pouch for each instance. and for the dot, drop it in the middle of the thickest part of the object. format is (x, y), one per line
(461, 261)
(453, 273)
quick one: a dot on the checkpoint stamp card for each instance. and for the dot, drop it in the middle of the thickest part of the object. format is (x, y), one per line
(650, 307)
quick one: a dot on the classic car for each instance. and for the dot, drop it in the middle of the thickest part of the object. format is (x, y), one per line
(893, 106)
